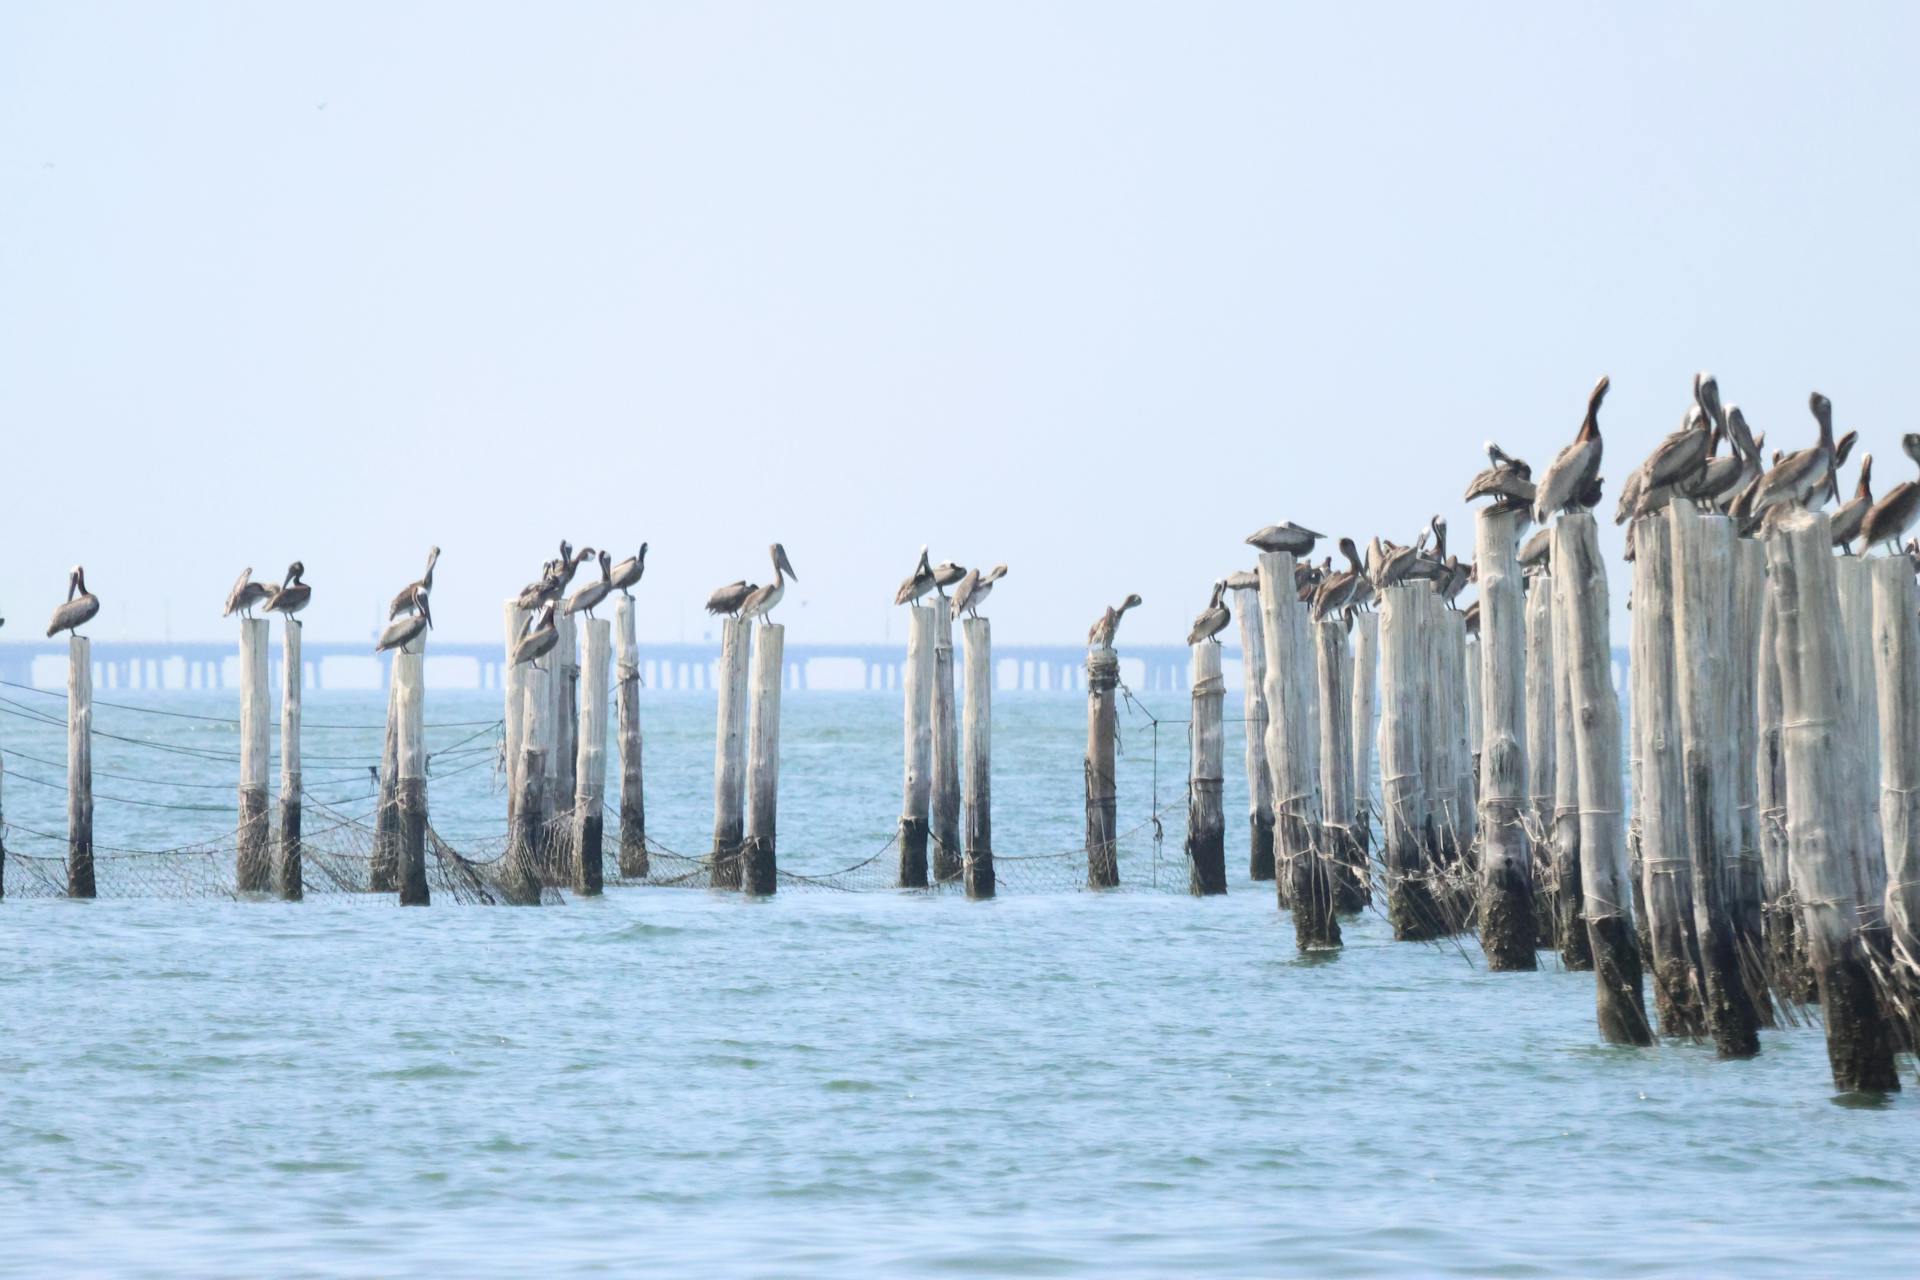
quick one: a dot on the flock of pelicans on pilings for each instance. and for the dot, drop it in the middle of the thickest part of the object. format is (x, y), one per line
(1773, 859)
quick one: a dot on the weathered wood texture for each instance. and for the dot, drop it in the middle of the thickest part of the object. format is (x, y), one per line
(917, 789)
(759, 865)
(944, 814)
(253, 856)
(383, 868)
(1103, 853)
(1896, 648)
(730, 753)
(411, 794)
(80, 767)
(1745, 882)
(1333, 688)
(1540, 753)
(289, 861)
(527, 851)
(633, 793)
(1206, 775)
(1292, 710)
(514, 710)
(1788, 969)
(590, 762)
(1412, 909)
(1570, 920)
(1862, 730)
(1360, 723)
(1506, 854)
(977, 868)
(564, 688)
(1253, 710)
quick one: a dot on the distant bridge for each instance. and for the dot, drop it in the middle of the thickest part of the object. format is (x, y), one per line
(150, 664)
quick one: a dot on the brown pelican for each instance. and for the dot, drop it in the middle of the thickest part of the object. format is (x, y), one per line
(1847, 520)
(974, 590)
(1336, 590)
(627, 573)
(1571, 476)
(245, 595)
(946, 574)
(1306, 576)
(80, 607)
(1244, 580)
(543, 590)
(918, 583)
(1537, 550)
(405, 626)
(1717, 477)
(1285, 536)
(292, 595)
(538, 639)
(570, 565)
(1673, 462)
(1888, 518)
(1508, 480)
(405, 601)
(1796, 477)
(1100, 635)
(1392, 564)
(1457, 577)
(760, 604)
(729, 598)
(1213, 619)
(583, 600)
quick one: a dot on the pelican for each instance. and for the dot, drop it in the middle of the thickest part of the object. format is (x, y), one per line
(627, 573)
(1336, 590)
(406, 625)
(1213, 619)
(1717, 477)
(918, 583)
(974, 590)
(1244, 580)
(1392, 564)
(1848, 519)
(583, 600)
(570, 565)
(543, 590)
(1100, 635)
(1508, 480)
(80, 607)
(1537, 550)
(946, 574)
(760, 604)
(1285, 536)
(1307, 579)
(1796, 477)
(292, 595)
(538, 639)
(1888, 518)
(1570, 480)
(414, 591)
(729, 598)
(245, 595)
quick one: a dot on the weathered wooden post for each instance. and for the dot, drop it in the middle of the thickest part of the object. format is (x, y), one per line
(1296, 852)
(1206, 775)
(1540, 754)
(1411, 907)
(80, 767)
(1788, 969)
(945, 815)
(3, 829)
(1665, 869)
(514, 713)
(1464, 749)
(1896, 648)
(253, 860)
(1103, 854)
(383, 870)
(1570, 919)
(590, 765)
(633, 801)
(410, 794)
(1580, 584)
(977, 871)
(291, 869)
(1746, 883)
(1476, 710)
(759, 865)
(1333, 681)
(1366, 672)
(730, 753)
(1253, 703)
(1812, 659)
(1506, 853)
(917, 789)
(1704, 637)
(1862, 725)
(564, 688)
(527, 848)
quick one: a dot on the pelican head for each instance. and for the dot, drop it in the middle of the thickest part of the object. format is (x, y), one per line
(295, 572)
(1822, 414)
(76, 581)
(566, 552)
(1590, 426)
(1910, 443)
(1131, 602)
(782, 565)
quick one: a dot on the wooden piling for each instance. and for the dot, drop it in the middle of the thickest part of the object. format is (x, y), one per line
(1540, 753)
(759, 865)
(944, 817)
(1366, 674)
(917, 788)
(527, 849)
(564, 725)
(730, 753)
(383, 869)
(80, 767)
(1506, 852)
(1896, 648)
(1814, 738)
(289, 870)
(1411, 906)
(1580, 584)
(1333, 689)
(590, 762)
(1103, 854)
(1862, 730)
(1570, 904)
(1666, 870)
(253, 858)
(1788, 969)
(1746, 891)
(1290, 691)
(1703, 572)
(514, 712)
(1253, 703)
(977, 870)
(633, 802)
(1206, 775)
(1462, 745)
(410, 794)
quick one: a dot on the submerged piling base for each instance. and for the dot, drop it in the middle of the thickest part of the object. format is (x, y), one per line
(289, 873)
(1617, 982)
(1859, 1035)
(253, 864)
(412, 796)
(1260, 852)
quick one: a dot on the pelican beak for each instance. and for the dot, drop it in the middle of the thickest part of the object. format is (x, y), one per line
(425, 612)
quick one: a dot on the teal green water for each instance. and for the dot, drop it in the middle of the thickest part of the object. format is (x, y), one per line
(1050, 1084)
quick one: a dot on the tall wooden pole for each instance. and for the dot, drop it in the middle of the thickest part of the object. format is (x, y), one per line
(1103, 855)
(290, 872)
(1570, 921)
(917, 788)
(1506, 854)
(730, 753)
(253, 861)
(759, 865)
(1411, 907)
(1366, 669)
(513, 682)
(1815, 741)
(527, 849)
(1788, 969)
(411, 792)
(1746, 883)
(977, 871)
(1296, 852)
(1253, 703)
(944, 818)
(590, 763)
(633, 802)
(1896, 648)
(1333, 688)
(1206, 774)
(564, 724)
(80, 768)
(1540, 753)
(1863, 731)
(1580, 579)
(384, 870)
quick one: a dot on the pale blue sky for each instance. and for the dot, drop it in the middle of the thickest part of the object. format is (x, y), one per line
(1094, 289)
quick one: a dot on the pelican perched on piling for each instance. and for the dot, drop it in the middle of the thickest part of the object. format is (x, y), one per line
(729, 598)
(1336, 590)
(405, 626)
(760, 603)
(1848, 519)
(293, 594)
(1244, 580)
(1537, 551)
(80, 607)
(1572, 479)
(415, 591)
(628, 572)
(245, 595)
(543, 590)
(1393, 564)
(1507, 480)
(1890, 517)
(974, 590)
(538, 639)
(1798, 476)
(1285, 536)
(583, 600)
(1100, 634)
(945, 574)
(570, 565)
(919, 582)
(1673, 462)
(1213, 619)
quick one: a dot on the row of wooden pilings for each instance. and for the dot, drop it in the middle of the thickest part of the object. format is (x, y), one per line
(932, 848)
